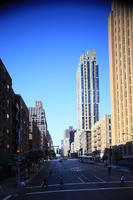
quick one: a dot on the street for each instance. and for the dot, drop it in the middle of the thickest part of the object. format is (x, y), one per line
(81, 181)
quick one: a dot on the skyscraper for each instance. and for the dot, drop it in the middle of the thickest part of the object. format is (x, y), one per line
(120, 28)
(68, 140)
(37, 113)
(87, 91)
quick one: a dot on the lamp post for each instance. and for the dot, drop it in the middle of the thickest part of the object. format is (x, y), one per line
(18, 152)
(19, 140)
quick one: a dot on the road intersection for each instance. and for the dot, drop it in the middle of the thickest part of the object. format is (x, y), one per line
(81, 181)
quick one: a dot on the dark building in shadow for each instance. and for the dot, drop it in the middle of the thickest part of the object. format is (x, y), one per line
(6, 102)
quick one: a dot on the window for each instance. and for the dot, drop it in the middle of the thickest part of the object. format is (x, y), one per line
(7, 116)
(7, 146)
(8, 86)
(8, 102)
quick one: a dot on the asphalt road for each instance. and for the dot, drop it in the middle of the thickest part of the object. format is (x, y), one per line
(81, 181)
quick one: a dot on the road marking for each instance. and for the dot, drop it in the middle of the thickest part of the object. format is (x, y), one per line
(82, 183)
(81, 180)
(85, 177)
(78, 190)
(99, 179)
(7, 197)
(77, 169)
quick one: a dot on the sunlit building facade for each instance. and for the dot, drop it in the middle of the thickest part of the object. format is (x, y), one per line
(87, 98)
(101, 136)
(76, 142)
(120, 28)
(68, 140)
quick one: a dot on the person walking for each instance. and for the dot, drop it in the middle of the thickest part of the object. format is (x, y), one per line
(122, 180)
(45, 183)
(109, 170)
(61, 180)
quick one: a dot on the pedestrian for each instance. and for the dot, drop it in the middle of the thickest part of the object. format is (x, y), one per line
(122, 180)
(22, 183)
(45, 183)
(21, 189)
(61, 180)
(109, 170)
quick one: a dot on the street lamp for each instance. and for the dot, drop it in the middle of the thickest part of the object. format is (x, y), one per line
(19, 160)
(19, 140)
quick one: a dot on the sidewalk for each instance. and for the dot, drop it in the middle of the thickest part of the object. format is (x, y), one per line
(9, 186)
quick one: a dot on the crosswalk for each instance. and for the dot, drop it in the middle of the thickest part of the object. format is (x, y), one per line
(78, 184)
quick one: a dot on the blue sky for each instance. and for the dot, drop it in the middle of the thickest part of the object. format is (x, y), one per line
(41, 44)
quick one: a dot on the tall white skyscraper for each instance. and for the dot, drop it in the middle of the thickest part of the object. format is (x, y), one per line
(87, 91)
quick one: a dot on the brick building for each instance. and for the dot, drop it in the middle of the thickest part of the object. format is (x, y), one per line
(6, 101)
(22, 126)
(34, 135)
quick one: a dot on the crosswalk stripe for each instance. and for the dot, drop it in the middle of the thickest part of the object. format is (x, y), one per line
(99, 179)
(81, 183)
(78, 190)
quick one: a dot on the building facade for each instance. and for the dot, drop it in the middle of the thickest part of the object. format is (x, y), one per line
(22, 127)
(120, 28)
(34, 135)
(66, 146)
(87, 97)
(6, 102)
(101, 136)
(76, 142)
(72, 148)
(68, 140)
(88, 91)
(38, 114)
(14, 117)
(49, 141)
(85, 142)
